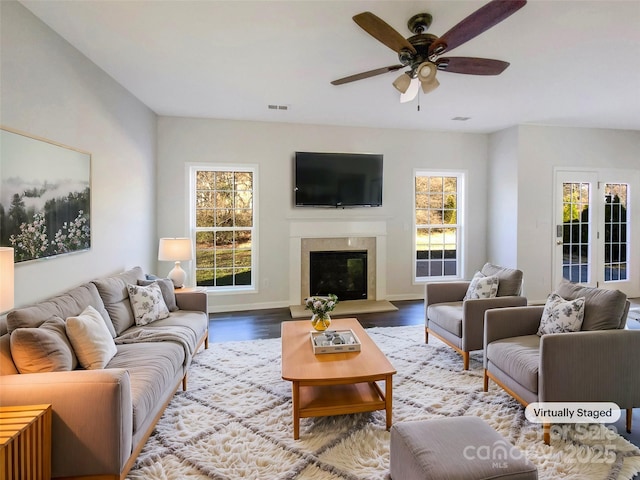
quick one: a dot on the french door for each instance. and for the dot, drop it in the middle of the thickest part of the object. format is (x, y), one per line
(593, 230)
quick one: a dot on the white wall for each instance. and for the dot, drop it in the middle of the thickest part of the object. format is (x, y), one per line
(271, 146)
(539, 151)
(50, 90)
(502, 199)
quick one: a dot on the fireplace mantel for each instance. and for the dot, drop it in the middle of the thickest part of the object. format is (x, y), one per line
(299, 230)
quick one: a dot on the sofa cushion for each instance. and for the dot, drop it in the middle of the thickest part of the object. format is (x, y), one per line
(561, 316)
(43, 349)
(518, 357)
(510, 279)
(167, 289)
(68, 304)
(603, 309)
(154, 368)
(447, 315)
(147, 303)
(115, 296)
(92, 342)
(482, 286)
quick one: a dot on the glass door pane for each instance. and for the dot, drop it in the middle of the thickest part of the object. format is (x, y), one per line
(616, 266)
(576, 232)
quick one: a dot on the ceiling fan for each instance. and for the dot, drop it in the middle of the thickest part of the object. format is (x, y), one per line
(421, 53)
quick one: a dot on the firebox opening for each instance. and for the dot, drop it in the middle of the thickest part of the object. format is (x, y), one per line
(343, 273)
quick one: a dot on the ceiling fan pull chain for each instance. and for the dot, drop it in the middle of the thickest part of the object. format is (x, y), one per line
(419, 100)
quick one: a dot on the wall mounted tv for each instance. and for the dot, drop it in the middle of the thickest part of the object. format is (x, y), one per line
(338, 180)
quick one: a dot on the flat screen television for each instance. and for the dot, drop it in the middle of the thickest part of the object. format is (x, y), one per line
(338, 179)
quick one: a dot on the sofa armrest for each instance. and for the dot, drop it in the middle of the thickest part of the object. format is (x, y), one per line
(92, 416)
(511, 322)
(595, 366)
(473, 311)
(194, 301)
(441, 292)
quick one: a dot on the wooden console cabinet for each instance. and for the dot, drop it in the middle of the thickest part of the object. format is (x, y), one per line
(25, 442)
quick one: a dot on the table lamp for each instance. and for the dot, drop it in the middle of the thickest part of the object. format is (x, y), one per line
(176, 250)
(6, 279)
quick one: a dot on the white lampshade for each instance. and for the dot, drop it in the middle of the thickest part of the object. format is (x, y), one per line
(176, 249)
(172, 249)
(6, 279)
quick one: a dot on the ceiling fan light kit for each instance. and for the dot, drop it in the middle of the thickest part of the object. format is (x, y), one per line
(402, 82)
(428, 87)
(420, 52)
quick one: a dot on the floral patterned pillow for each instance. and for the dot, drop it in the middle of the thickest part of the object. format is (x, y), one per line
(482, 286)
(560, 315)
(147, 303)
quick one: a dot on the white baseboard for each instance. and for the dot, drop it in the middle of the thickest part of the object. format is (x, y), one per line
(247, 306)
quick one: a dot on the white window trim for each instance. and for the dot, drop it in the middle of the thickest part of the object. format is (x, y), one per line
(191, 222)
(461, 175)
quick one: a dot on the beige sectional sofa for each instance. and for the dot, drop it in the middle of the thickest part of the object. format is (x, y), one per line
(102, 416)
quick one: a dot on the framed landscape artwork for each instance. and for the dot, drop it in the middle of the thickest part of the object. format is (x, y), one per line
(45, 197)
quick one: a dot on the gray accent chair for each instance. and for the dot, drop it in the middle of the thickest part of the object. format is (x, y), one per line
(460, 323)
(600, 363)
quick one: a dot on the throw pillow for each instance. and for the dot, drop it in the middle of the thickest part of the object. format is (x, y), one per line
(482, 286)
(510, 279)
(43, 349)
(167, 289)
(147, 303)
(91, 340)
(560, 315)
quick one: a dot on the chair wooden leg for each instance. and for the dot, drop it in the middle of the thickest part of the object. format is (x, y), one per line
(426, 335)
(465, 360)
(546, 433)
(629, 417)
(485, 386)
(184, 383)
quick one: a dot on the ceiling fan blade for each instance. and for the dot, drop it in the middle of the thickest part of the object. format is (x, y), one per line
(383, 32)
(471, 65)
(370, 73)
(479, 21)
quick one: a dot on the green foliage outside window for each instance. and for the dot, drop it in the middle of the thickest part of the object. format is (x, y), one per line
(224, 228)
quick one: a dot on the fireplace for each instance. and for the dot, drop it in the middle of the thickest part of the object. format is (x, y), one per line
(331, 236)
(343, 273)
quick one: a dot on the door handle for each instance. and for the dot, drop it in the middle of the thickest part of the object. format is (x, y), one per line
(558, 242)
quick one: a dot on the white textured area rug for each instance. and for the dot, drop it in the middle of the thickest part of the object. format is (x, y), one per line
(234, 422)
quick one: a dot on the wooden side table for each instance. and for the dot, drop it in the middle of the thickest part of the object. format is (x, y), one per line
(190, 289)
(25, 442)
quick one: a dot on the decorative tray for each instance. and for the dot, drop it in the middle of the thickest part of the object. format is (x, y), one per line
(335, 341)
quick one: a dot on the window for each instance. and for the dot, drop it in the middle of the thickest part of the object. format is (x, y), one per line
(437, 229)
(224, 224)
(616, 264)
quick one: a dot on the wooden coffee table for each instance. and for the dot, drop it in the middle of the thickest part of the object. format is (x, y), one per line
(334, 383)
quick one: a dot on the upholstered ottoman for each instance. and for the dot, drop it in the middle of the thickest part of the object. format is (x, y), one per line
(460, 448)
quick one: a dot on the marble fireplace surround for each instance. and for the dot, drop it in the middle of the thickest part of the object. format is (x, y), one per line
(307, 236)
